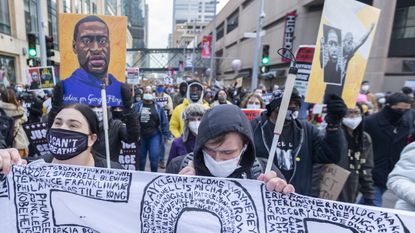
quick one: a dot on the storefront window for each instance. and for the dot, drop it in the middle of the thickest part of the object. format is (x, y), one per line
(7, 71)
(4, 17)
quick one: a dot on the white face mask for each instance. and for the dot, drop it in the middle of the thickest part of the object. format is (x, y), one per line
(291, 115)
(253, 106)
(382, 100)
(352, 123)
(147, 96)
(194, 126)
(222, 168)
(365, 88)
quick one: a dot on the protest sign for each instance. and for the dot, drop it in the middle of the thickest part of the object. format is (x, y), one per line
(58, 198)
(129, 155)
(252, 113)
(206, 46)
(344, 40)
(41, 77)
(83, 71)
(266, 97)
(304, 59)
(36, 133)
(332, 180)
(133, 75)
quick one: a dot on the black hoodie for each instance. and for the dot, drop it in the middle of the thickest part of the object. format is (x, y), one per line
(218, 121)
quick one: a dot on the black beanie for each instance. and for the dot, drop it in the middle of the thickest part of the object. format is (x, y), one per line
(397, 98)
(276, 99)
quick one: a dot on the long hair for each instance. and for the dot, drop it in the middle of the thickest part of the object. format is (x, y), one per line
(9, 96)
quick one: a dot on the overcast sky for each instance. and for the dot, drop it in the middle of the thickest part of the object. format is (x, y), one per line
(160, 21)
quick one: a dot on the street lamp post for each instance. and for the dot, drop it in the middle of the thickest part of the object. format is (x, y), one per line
(212, 53)
(255, 65)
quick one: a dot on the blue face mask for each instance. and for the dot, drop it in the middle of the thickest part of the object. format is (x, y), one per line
(159, 90)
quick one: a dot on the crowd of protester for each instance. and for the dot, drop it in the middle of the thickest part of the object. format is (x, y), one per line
(210, 136)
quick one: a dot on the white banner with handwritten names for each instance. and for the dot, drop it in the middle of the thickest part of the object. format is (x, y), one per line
(55, 198)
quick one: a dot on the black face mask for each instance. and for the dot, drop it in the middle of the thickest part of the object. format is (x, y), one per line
(117, 115)
(65, 144)
(394, 115)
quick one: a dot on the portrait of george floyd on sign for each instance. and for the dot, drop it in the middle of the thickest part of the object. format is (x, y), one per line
(344, 40)
(92, 52)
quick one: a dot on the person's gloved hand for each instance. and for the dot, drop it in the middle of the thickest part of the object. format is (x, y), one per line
(57, 95)
(336, 110)
(126, 96)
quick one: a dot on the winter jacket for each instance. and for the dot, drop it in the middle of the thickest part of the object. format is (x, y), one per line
(360, 178)
(176, 121)
(218, 121)
(179, 147)
(309, 147)
(18, 114)
(164, 123)
(127, 131)
(401, 180)
(388, 143)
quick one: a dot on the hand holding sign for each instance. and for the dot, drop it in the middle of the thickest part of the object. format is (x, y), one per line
(189, 170)
(273, 183)
(9, 157)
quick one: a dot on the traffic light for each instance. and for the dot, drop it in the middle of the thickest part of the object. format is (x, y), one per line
(49, 46)
(31, 40)
(265, 55)
(49, 50)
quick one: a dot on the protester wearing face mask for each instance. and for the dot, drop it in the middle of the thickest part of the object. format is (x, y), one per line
(300, 144)
(220, 98)
(185, 144)
(224, 148)
(365, 90)
(358, 159)
(154, 130)
(124, 129)
(75, 123)
(389, 129)
(180, 95)
(194, 95)
(253, 101)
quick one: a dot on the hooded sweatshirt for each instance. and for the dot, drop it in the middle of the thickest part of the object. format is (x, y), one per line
(176, 121)
(218, 121)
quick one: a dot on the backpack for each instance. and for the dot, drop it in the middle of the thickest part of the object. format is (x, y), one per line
(6, 128)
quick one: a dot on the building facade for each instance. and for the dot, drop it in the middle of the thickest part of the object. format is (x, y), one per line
(14, 29)
(392, 59)
(188, 14)
(136, 11)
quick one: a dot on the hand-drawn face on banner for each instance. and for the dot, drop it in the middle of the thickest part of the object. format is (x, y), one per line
(342, 51)
(92, 51)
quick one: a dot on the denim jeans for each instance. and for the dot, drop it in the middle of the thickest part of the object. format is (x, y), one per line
(152, 146)
(377, 201)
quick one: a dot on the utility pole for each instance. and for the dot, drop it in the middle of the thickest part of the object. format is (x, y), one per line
(212, 53)
(41, 34)
(255, 63)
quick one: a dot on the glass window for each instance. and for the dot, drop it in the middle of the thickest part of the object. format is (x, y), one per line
(7, 71)
(232, 21)
(4, 17)
(77, 6)
(66, 6)
(220, 30)
(403, 31)
(111, 7)
(94, 8)
(30, 10)
(52, 22)
(86, 7)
